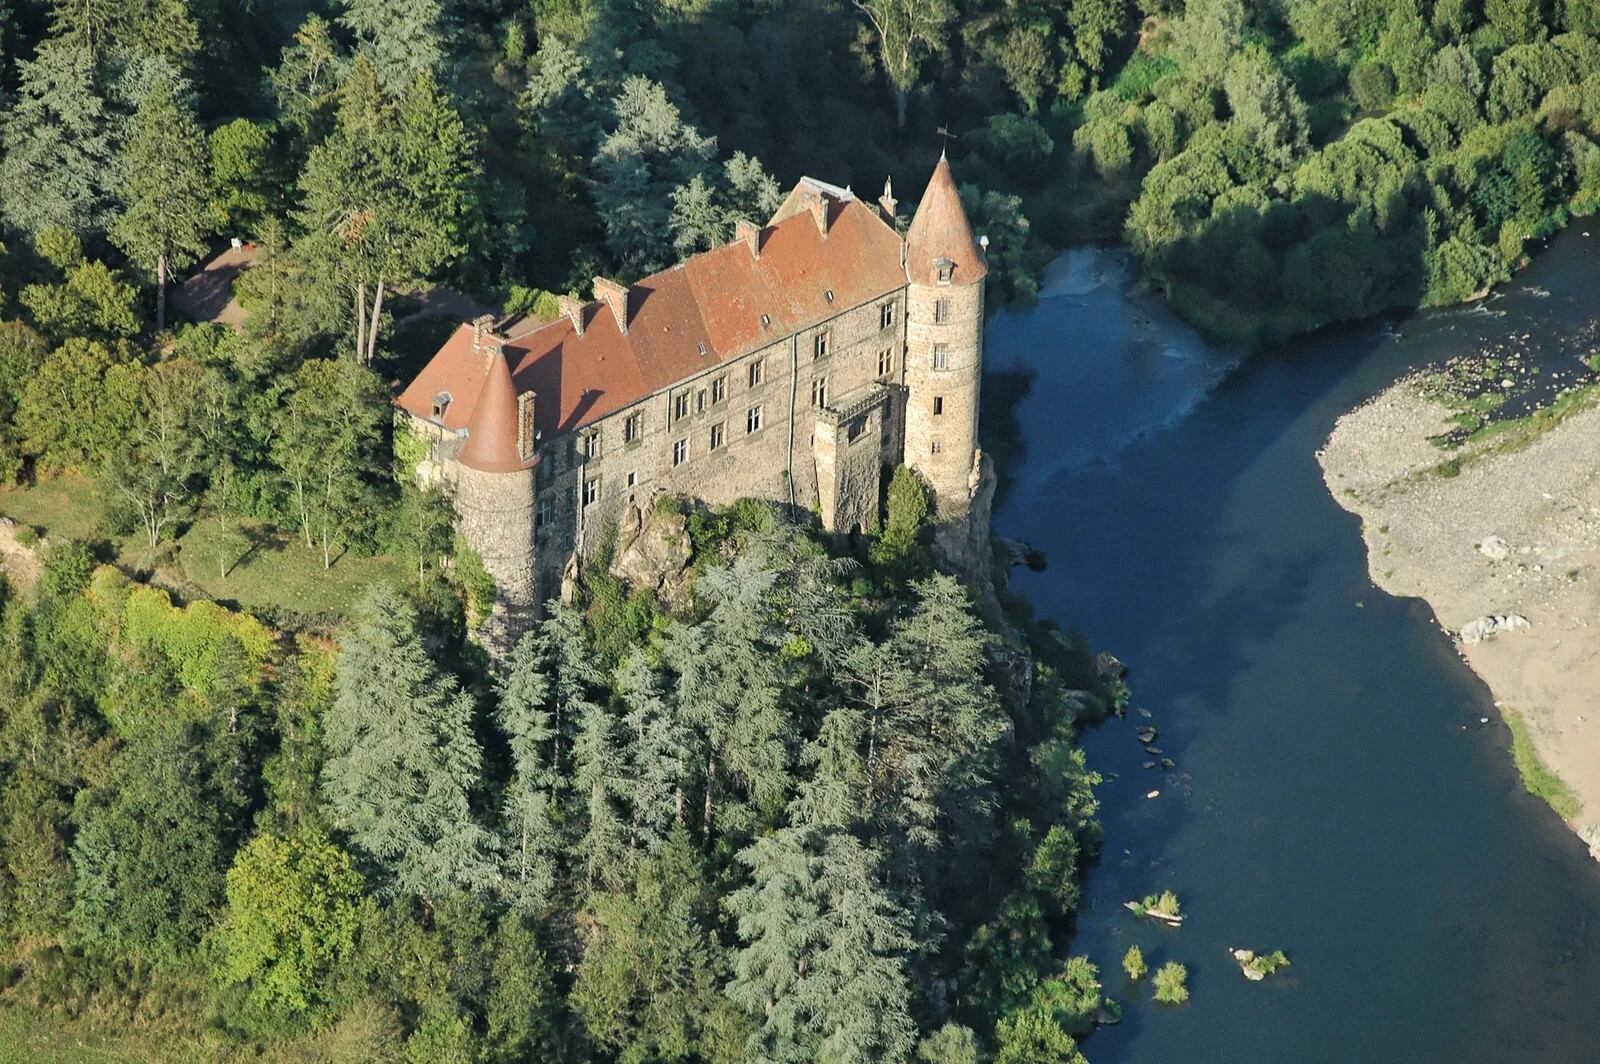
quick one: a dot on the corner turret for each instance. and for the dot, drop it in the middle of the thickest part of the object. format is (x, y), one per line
(945, 268)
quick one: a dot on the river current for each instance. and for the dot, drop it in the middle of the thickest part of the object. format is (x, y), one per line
(1334, 793)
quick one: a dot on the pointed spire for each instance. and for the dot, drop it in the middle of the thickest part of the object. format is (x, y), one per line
(940, 234)
(886, 202)
(492, 445)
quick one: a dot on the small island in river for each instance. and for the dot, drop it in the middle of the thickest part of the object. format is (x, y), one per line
(1497, 528)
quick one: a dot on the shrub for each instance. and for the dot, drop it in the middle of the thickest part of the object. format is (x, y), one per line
(1172, 984)
(1133, 963)
(27, 535)
(67, 568)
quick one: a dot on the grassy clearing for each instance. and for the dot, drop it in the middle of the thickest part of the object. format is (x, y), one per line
(269, 572)
(1536, 777)
(66, 505)
(279, 573)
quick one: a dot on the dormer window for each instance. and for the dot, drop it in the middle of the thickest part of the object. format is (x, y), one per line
(944, 269)
(766, 320)
(441, 403)
(828, 295)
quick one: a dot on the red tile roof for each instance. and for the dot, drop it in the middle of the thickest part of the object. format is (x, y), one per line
(681, 321)
(940, 230)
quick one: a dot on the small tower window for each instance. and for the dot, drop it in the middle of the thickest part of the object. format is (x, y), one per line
(935, 447)
(819, 345)
(633, 478)
(941, 310)
(886, 315)
(938, 405)
(441, 403)
(941, 356)
(591, 491)
(944, 268)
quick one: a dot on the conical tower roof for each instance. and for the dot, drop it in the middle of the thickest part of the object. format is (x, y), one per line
(492, 445)
(940, 231)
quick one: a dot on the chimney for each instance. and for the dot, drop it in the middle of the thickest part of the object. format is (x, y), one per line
(616, 297)
(748, 231)
(482, 329)
(527, 436)
(817, 204)
(573, 310)
(886, 202)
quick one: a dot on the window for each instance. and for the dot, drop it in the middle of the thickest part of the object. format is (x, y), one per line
(819, 391)
(756, 372)
(855, 429)
(633, 478)
(885, 362)
(441, 403)
(680, 451)
(632, 428)
(766, 320)
(938, 405)
(591, 491)
(719, 389)
(680, 406)
(700, 401)
(936, 447)
(545, 514)
(819, 345)
(941, 310)
(591, 445)
(946, 268)
(886, 315)
(752, 419)
(941, 356)
(719, 435)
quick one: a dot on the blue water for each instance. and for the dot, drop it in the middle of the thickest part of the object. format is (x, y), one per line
(1335, 795)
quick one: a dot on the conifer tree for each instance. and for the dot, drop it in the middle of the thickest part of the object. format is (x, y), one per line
(402, 760)
(403, 38)
(164, 182)
(599, 778)
(657, 753)
(55, 170)
(821, 968)
(530, 841)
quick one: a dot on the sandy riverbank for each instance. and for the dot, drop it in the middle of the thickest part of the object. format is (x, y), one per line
(1512, 535)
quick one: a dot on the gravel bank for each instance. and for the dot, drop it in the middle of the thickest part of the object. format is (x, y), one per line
(1513, 535)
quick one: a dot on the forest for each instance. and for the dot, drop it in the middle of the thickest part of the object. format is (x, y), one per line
(260, 792)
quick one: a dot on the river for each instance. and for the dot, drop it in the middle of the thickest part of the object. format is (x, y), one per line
(1335, 794)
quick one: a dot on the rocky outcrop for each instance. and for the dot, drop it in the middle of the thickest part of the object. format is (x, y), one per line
(657, 553)
(1480, 628)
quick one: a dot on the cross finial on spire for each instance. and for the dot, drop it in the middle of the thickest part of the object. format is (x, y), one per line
(948, 137)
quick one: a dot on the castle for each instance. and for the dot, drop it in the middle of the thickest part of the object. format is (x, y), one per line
(799, 363)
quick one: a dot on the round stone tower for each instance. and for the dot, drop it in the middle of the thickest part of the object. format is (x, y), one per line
(944, 344)
(494, 497)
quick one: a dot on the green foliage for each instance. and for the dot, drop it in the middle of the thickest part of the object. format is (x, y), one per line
(1133, 963)
(1537, 779)
(1172, 984)
(291, 915)
(242, 176)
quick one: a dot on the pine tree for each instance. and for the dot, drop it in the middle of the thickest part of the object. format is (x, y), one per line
(530, 842)
(402, 760)
(163, 168)
(821, 967)
(55, 170)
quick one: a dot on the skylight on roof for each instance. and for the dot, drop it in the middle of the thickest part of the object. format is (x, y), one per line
(828, 295)
(766, 321)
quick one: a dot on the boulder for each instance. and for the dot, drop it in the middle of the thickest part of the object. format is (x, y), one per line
(1108, 666)
(1495, 549)
(1480, 628)
(1591, 838)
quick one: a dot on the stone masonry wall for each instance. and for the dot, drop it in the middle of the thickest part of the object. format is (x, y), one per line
(942, 406)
